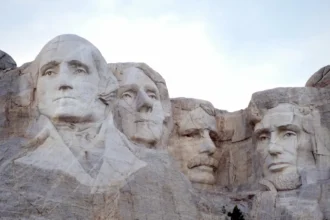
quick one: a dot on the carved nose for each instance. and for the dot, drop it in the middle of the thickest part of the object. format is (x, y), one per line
(208, 145)
(274, 149)
(144, 103)
(65, 79)
(65, 87)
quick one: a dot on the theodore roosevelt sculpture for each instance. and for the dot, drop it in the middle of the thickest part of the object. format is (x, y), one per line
(193, 141)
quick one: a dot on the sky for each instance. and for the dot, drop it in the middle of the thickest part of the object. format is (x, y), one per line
(216, 50)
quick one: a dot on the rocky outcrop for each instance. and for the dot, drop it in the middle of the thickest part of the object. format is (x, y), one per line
(82, 138)
(320, 79)
(6, 61)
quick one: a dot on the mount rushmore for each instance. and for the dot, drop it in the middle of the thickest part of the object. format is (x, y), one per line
(82, 138)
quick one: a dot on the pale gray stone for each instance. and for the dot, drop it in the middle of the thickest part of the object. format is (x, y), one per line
(83, 139)
(193, 141)
(142, 109)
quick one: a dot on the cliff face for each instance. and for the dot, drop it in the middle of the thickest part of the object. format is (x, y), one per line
(85, 139)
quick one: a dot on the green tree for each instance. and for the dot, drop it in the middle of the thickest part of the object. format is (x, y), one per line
(236, 214)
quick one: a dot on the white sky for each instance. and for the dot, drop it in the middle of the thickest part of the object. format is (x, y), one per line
(220, 51)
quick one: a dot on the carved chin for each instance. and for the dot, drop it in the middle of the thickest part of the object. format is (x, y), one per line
(287, 181)
(146, 135)
(203, 177)
(71, 115)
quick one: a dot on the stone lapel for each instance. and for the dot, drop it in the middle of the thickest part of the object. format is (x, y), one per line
(51, 153)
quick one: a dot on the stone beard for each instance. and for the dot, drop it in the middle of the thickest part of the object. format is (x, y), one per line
(194, 145)
(280, 137)
(139, 113)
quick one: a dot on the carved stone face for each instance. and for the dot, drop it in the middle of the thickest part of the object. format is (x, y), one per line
(67, 84)
(195, 142)
(139, 111)
(278, 136)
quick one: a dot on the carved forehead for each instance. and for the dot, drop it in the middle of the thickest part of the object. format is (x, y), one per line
(281, 115)
(195, 119)
(68, 47)
(133, 75)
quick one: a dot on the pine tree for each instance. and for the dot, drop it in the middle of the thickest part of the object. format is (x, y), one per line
(236, 214)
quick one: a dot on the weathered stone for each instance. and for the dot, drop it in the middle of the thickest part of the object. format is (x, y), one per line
(292, 151)
(6, 61)
(64, 158)
(193, 141)
(143, 109)
(83, 139)
(320, 79)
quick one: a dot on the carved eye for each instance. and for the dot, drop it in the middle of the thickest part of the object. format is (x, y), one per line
(191, 134)
(80, 70)
(153, 96)
(188, 135)
(126, 95)
(263, 137)
(289, 134)
(48, 72)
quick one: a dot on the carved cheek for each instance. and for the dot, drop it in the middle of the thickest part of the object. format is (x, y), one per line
(191, 151)
(158, 111)
(125, 107)
(290, 150)
(44, 94)
(217, 155)
(262, 149)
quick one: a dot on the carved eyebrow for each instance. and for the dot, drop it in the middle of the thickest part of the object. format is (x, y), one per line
(78, 63)
(290, 127)
(261, 131)
(152, 89)
(51, 63)
(189, 131)
(126, 87)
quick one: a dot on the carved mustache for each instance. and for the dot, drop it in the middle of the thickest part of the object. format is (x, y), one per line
(201, 160)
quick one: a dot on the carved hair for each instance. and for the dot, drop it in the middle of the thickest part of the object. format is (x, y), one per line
(255, 114)
(188, 104)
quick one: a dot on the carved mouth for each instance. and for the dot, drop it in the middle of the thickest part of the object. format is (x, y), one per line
(142, 120)
(64, 97)
(204, 162)
(278, 166)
